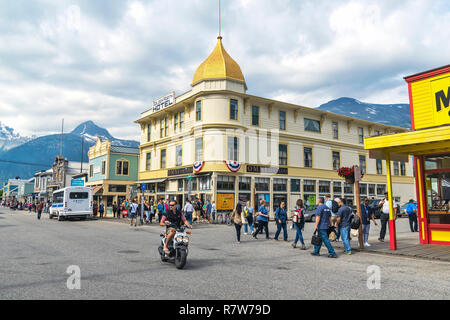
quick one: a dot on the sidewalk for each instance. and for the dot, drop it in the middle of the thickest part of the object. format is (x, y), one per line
(408, 245)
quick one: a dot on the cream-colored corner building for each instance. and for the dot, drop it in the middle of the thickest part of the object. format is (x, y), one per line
(240, 147)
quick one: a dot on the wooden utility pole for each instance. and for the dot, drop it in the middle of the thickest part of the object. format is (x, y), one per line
(358, 205)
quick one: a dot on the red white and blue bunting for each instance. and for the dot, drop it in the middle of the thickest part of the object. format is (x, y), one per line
(198, 166)
(233, 166)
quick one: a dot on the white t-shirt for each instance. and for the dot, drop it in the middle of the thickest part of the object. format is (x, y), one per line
(188, 208)
(385, 208)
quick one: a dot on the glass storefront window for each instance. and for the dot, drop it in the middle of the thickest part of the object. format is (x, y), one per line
(363, 189)
(205, 183)
(348, 188)
(245, 183)
(309, 186)
(225, 183)
(324, 187)
(372, 188)
(280, 185)
(262, 184)
(295, 185)
(337, 188)
(277, 198)
(437, 185)
(381, 189)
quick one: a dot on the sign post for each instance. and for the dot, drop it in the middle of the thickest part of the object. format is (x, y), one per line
(358, 178)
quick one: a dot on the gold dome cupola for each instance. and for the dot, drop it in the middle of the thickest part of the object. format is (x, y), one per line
(219, 66)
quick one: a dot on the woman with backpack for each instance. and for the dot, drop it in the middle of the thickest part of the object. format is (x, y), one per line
(236, 218)
(298, 220)
(248, 214)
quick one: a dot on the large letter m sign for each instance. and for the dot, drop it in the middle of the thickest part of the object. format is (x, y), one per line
(441, 97)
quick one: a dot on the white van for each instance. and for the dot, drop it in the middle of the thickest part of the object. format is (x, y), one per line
(71, 202)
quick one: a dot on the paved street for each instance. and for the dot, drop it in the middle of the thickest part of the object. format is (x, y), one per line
(119, 262)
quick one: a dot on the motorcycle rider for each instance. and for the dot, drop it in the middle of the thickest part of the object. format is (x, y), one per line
(172, 220)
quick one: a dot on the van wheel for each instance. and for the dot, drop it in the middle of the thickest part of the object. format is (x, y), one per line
(60, 218)
(50, 216)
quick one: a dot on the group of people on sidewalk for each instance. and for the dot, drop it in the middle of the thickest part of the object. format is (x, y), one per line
(334, 220)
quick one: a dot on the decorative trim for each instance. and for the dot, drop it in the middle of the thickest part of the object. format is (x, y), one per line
(198, 166)
(233, 166)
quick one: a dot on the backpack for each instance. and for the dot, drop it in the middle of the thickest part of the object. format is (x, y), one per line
(299, 216)
(334, 206)
(355, 222)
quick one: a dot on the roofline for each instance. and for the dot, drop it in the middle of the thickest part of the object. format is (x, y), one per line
(427, 74)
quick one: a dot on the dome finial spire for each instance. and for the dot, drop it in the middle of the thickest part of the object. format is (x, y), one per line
(220, 26)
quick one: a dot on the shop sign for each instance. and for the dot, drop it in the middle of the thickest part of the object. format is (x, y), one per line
(163, 102)
(179, 172)
(77, 182)
(431, 101)
(268, 170)
(225, 201)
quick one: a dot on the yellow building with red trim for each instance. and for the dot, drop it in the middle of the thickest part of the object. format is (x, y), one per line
(429, 143)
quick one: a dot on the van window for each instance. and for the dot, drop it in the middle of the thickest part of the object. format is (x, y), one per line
(78, 195)
(58, 197)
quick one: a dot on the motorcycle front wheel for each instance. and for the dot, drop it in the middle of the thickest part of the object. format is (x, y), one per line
(180, 259)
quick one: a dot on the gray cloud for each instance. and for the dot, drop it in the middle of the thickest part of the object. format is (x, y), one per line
(106, 60)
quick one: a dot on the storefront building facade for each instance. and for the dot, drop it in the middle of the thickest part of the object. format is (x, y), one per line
(429, 143)
(112, 171)
(217, 142)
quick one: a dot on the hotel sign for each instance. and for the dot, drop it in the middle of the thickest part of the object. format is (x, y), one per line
(163, 102)
(179, 172)
(267, 170)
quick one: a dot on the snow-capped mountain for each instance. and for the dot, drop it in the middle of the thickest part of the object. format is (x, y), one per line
(9, 138)
(43, 150)
(389, 114)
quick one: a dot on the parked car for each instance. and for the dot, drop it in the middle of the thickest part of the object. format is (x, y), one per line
(310, 213)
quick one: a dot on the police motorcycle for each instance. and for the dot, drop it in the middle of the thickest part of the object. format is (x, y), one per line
(178, 247)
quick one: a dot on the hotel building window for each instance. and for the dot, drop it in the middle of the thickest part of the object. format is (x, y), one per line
(348, 188)
(282, 120)
(379, 166)
(180, 185)
(122, 168)
(295, 185)
(309, 186)
(245, 183)
(161, 128)
(190, 184)
(225, 183)
(402, 169)
(198, 111)
(363, 189)
(161, 187)
(233, 109)
(381, 189)
(279, 185)
(175, 123)
(372, 188)
(91, 170)
(335, 130)
(396, 169)
(163, 159)
(361, 135)
(262, 184)
(205, 183)
(179, 156)
(362, 164)
(149, 132)
(308, 157)
(283, 156)
(103, 167)
(312, 125)
(166, 126)
(148, 161)
(337, 188)
(255, 116)
(199, 149)
(324, 187)
(233, 148)
(181, 120)
(336, 160)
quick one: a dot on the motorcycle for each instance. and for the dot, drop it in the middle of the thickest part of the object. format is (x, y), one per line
(178, 248)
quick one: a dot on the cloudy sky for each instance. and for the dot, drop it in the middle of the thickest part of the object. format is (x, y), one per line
(106, 60)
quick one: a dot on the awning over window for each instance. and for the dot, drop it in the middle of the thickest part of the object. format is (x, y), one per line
(152, 181)
(97, 189)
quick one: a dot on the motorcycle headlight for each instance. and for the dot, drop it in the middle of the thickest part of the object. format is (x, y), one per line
(179, 239)
(186, 240)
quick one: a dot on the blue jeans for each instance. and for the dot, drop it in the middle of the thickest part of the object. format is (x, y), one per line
(366, 229)
(299, 236)
(345, 240)
(324, 237)
(285, 234)
(250, 223)
(188, 217)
